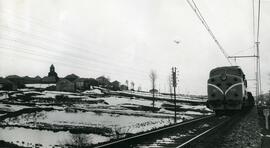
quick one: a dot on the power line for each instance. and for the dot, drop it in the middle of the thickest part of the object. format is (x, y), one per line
(72, 55)
(42, 23)
(80, 66)
(199, 15)
(72, 46)
(73, 59)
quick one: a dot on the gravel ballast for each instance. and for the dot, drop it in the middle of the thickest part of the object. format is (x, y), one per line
(245, 134)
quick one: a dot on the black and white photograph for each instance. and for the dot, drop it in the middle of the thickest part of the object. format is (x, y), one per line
(134, 73)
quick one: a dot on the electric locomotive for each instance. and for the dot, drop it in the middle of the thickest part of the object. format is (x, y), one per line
(227, 90)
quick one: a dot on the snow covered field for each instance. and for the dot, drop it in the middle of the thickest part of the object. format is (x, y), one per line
(45, 139)
(122, 124)
(109, 118)
(130, 124)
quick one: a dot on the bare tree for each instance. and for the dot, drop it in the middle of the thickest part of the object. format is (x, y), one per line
(79, 140)
(139, 88)
(120, 132)
(153, 78)
(127, 83)
(132, 85)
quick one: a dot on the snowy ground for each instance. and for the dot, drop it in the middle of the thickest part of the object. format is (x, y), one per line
(167, 97)
(129, 124)
(46, 139)
(119, 114)
(11, 108)
(39, 85)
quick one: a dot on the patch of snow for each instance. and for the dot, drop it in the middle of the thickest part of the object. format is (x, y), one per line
(93, 91)
(39, 85)
(124, 100)
(11, 108)
(52, 94)
(3, 96)
(166, 97)
(29, 137)
(193, 113)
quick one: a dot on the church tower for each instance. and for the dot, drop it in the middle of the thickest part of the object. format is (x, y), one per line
(52, 68)
(52, 72)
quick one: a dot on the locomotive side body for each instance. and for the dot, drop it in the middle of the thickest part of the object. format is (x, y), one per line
(227, 89)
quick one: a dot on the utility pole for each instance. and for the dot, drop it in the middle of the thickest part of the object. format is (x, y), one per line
(258, 71)
(174, 80)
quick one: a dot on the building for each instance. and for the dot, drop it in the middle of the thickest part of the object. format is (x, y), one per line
(7, 84)
(30, 80)
(49, 80)
(71, 77)
(153, 90)
(52, 72)
(52, 76)
(82, 84)
(103, 81)
(65, 85)
(123, 87)
(116, 85)
(17, 80)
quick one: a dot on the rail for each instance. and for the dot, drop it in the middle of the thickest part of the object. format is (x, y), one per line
(139, 136)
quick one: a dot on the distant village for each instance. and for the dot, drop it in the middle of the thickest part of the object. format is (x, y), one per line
(70, 83)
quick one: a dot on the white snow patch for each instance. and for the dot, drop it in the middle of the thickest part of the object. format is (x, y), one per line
(39, 85)
(93, 91)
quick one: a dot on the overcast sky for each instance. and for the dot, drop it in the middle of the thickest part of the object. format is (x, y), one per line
(125, 39)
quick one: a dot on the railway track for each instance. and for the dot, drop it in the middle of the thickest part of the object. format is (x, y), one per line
(178, 135)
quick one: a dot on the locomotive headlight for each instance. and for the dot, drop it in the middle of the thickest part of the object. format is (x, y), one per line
(236, 94)
(213, 95)
(223, 77)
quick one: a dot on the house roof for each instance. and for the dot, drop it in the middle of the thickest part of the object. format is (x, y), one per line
(13, 76)
(37, 77)
(72, 76)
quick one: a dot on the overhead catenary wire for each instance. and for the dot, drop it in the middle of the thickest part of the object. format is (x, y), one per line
(74, 61)
(82, 50)
(42, 58)
(199, 15)
(40, 42)
(66, 35)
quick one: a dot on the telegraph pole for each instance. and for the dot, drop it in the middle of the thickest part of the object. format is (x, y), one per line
(258, 71)
(174, 79)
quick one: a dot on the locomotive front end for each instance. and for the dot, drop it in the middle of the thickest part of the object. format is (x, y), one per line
(225, 89)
